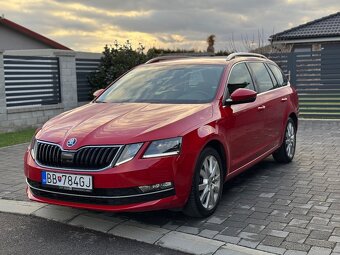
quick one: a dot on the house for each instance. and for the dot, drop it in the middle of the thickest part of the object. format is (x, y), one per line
(16, 37)
(316, 35)
(309, 54)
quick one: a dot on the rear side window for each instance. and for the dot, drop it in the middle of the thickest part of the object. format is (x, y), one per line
(240, 78)
(262, 76)
(278, 75)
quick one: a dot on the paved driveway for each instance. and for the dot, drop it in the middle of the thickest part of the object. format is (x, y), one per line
(284, 209)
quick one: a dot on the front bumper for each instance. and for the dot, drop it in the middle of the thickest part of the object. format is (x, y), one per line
(159, 204)
(115, 189)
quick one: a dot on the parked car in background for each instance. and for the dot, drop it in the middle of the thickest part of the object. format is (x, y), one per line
(167, 134)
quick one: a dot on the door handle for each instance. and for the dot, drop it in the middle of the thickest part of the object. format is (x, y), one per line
(262, 107)
(284, 99)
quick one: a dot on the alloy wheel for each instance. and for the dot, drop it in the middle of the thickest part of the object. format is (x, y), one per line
(290, 140)
(210, 183)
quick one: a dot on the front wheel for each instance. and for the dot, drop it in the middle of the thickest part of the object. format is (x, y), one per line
(286, 152)
(207, 185)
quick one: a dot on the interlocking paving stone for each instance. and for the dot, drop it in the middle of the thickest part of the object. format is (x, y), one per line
(271, 249)
(247, 243)
(231, 231)
(321, 235)
(318, 227)
(300, 199)
(216, 220)
(272, 241)
(276, 226)
(334, 239)
(295, 246)
(189, 230)
(253, 228)
(293, 252)
(298, 223)
(297, 230)
(337, 248)
(294, 237)
(278, 233)
(319, 250)
(228, 239)
(320, 243)
(319, 220)
(251, 236)
(208, 233)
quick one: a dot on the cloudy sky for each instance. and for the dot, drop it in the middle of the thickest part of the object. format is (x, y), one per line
(88, 25)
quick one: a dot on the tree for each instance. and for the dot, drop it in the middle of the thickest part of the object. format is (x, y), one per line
(211, 42)
(116, 61)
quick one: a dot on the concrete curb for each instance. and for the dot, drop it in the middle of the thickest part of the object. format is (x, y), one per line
(309, 119)
(129, 229)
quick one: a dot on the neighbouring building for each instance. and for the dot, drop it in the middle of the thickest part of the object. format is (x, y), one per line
(319, 34)
(310, 55)
(16, 37)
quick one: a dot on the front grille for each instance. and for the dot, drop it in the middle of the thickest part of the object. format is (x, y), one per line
(86, 158)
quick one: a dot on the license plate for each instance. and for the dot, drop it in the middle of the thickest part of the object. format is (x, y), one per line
(67, 181)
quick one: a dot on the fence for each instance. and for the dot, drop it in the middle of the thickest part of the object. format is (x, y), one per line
(84, 67)
(316, 76)
(36, 85)
(32, 81)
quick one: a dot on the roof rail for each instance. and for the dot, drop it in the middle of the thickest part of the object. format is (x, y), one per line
(165, 58)
(178, 56)
(245, 54)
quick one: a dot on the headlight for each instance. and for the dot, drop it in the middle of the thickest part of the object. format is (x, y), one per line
(128, 153)
(33, 147)
(165, 147)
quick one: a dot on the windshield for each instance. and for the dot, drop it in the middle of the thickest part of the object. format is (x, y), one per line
(166, 84)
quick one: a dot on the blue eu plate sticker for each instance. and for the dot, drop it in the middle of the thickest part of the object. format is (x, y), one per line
(43, 177)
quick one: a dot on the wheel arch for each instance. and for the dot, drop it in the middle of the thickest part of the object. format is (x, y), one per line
(294, 117)
(219, 147)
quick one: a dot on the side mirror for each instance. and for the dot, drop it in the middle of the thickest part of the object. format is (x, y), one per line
(241, 96)
(97, 92)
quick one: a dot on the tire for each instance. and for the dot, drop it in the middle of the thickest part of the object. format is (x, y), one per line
(207, 182)
(286, 152)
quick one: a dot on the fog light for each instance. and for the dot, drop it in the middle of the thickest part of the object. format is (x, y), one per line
(156, 187)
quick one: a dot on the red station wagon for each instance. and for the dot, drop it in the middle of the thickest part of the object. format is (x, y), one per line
(167, 134)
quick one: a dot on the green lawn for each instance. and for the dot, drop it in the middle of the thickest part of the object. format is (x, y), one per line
(23, 136)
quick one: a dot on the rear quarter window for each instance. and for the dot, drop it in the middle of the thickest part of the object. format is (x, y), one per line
(262, 77)
(281, 80)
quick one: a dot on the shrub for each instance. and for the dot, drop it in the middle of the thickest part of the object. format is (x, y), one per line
(116, 61)
(120, 58)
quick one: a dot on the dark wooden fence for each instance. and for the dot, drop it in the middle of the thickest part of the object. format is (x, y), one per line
(316, 75)
(31, 81)
(84, 68)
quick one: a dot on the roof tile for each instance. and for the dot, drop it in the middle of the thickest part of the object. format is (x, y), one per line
(328, 26)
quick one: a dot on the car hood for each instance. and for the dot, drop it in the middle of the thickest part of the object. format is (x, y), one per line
(123, 123)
